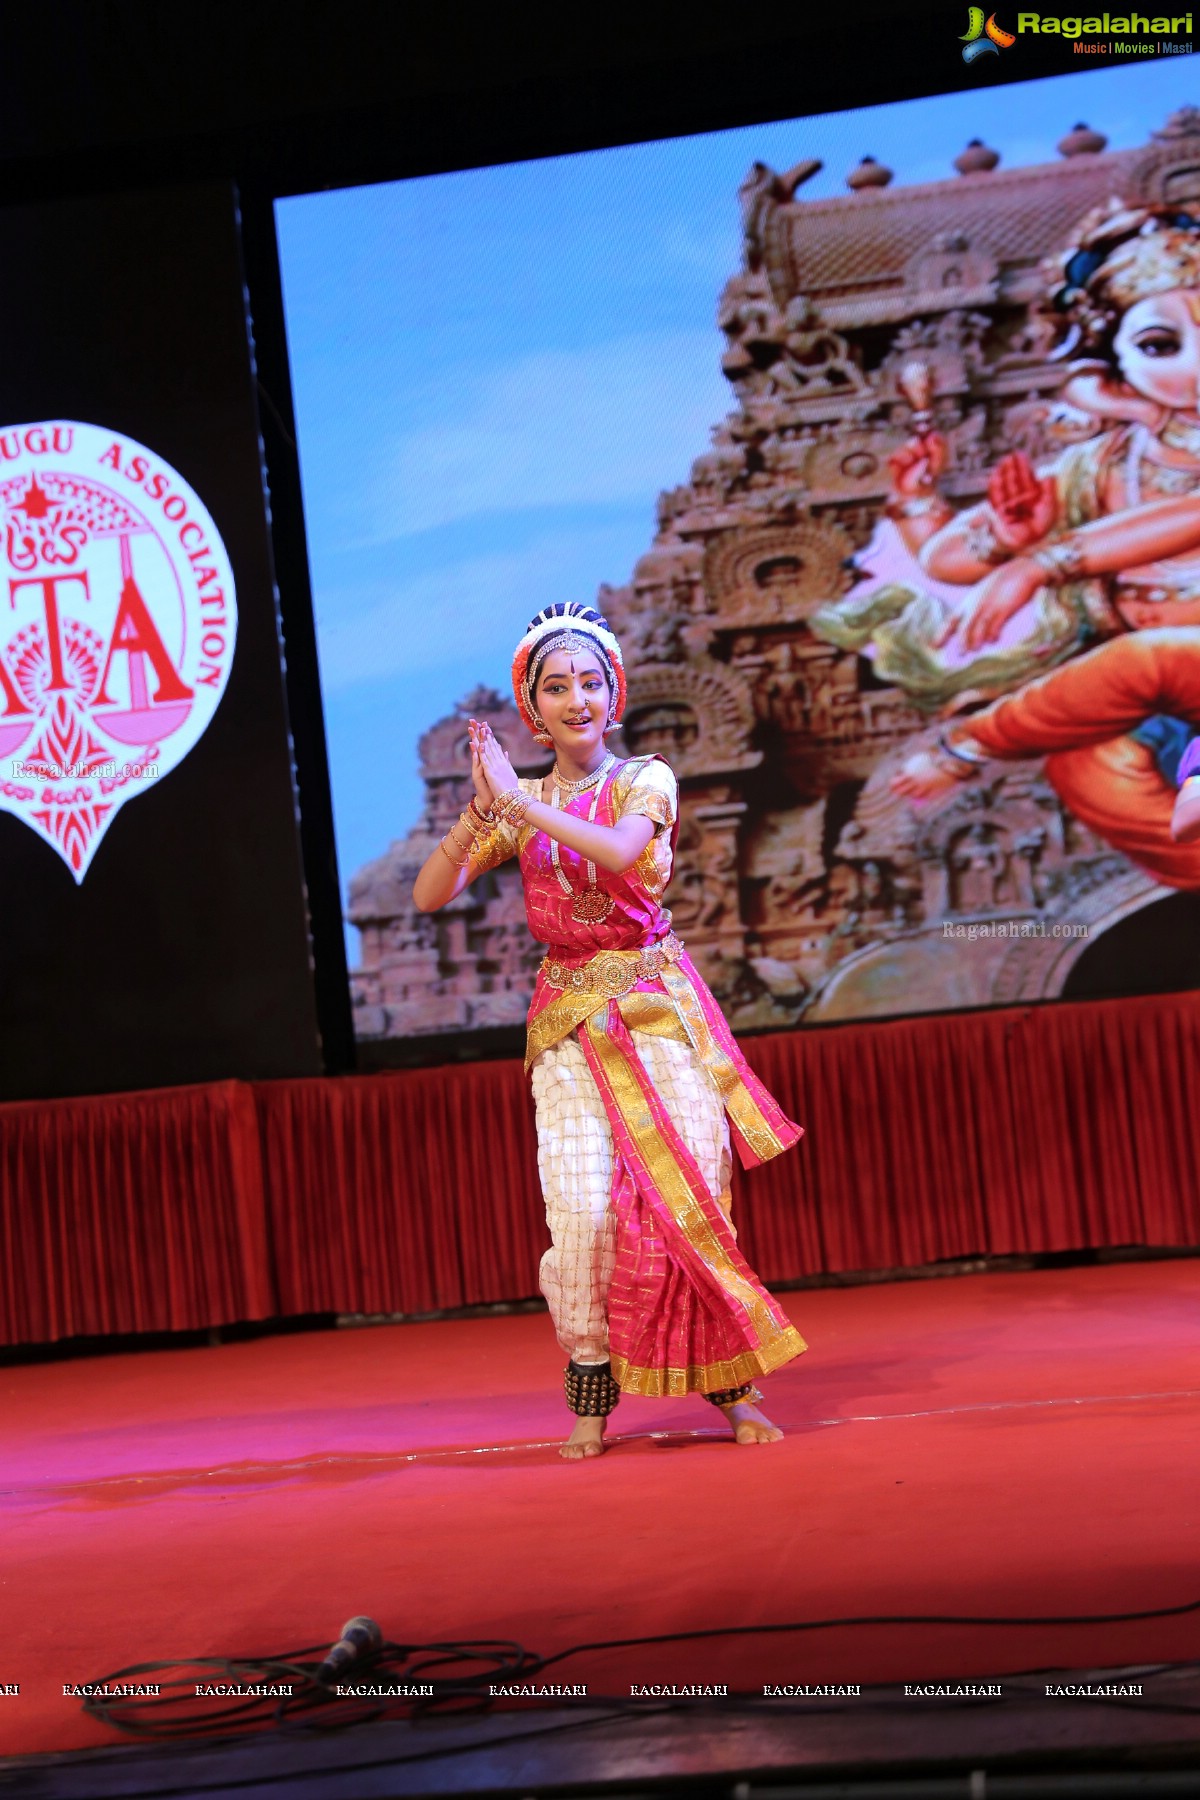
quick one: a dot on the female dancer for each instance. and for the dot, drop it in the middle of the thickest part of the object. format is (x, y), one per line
(634, 1067)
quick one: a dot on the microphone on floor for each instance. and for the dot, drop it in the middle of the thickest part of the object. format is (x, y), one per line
(359, 1635)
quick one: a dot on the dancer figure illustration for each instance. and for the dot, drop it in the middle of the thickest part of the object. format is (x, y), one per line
(1069, 601)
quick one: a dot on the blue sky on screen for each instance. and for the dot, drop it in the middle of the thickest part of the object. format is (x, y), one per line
(497, 370)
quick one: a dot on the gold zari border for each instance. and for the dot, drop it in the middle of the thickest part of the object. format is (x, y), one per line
(681, 1202)
(739, 1102)
(707, 1378)
(654, 1013)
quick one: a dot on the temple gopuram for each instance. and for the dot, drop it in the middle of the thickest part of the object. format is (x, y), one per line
(805, 891)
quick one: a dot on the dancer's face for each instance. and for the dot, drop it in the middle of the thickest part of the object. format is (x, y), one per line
(572, 697)
(1158, 348)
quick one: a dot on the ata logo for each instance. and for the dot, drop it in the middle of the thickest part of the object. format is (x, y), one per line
(120, 633)
(981, 37)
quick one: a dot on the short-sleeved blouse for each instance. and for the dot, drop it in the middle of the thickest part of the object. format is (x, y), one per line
(640, 786)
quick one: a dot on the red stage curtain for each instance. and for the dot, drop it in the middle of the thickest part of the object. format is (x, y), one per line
(131, 1212)
(402, 1192)
(969, 1134)
(1016, 1131)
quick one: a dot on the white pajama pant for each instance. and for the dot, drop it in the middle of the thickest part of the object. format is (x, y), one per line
(575, 1160)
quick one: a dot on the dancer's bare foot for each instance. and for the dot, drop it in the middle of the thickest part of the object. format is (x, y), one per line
(587, 1439)
(750, 1426)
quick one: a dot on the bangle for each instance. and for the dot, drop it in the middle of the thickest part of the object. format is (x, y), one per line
(453, 859)
(470, 843)
(918, 507)
(470, 825)
(486, 819)
(511, 806)
(1061, 562)
(967, 763)
(983, 544)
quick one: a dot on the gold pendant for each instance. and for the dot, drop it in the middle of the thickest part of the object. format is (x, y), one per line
(592, 906)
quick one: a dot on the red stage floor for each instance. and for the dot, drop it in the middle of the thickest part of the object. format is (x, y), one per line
(983, 1445)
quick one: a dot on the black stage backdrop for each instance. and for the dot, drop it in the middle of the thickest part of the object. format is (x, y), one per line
(184, 954)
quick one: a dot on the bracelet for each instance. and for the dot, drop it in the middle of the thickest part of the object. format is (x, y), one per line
(471, 826)
(967, 763)
(486, 819)
(983, 544)
(453, 859)
(470, 843)
(511, 806)
(1062, 561)
(918, 508)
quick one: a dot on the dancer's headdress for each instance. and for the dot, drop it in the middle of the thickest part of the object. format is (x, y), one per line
(571, 627)
(1122, 254)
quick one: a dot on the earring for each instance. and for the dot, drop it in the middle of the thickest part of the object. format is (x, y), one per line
(543, 737)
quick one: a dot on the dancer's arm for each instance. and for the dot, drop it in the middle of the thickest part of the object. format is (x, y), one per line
(454, 864)
(612, 847)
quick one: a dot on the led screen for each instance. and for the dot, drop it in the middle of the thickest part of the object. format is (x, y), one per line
(815, 412)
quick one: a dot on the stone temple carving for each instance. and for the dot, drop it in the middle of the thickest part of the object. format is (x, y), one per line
(804, 890)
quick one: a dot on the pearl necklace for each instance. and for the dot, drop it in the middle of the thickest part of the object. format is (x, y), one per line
(593, 904)
(571, 788)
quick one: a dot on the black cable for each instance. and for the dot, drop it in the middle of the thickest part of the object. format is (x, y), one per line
(713, 1631)
(497, 1662)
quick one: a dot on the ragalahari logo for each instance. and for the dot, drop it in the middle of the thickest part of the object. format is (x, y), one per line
(984, 36)
(122, 628)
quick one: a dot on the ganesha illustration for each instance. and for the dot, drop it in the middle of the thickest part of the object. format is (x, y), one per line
(1060, 617)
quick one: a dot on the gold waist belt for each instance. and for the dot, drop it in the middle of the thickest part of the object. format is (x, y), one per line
(613, 972)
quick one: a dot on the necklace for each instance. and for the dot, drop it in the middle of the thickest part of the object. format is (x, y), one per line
(592, 905)
(1142, 471)
(571, 788)
(1181, 434)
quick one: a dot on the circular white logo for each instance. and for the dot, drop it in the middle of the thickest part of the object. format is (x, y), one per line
(117, 628)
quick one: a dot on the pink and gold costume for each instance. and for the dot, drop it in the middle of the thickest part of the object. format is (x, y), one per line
(638, 1083)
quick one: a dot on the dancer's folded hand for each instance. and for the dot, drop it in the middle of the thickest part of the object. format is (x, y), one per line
(483, 787)
(1000, 596)
(498, 771)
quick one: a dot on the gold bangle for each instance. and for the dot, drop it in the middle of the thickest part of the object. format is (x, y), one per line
(983, 544)
(470, 824)
(469, 845)
(1062, 561)
(512, 805)
(918, 506)
(957, 761)
(454, 863)
(486, 819)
